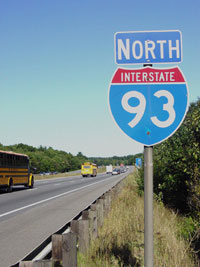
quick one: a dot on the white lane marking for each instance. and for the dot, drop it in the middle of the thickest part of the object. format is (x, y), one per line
(47, 199)
(56, 184)
(32, 189)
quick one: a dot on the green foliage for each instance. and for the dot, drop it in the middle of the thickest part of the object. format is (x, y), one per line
(177, 173)
(177, 166)
(126, 160)
(187, 227)
(140, 181)
(45, 159)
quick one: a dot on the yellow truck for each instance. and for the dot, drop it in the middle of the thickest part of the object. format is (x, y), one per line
(88, 169)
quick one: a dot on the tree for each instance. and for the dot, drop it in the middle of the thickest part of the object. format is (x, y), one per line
(177, 166)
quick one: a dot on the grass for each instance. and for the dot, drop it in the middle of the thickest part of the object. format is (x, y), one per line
(121, 239)
(53, 176)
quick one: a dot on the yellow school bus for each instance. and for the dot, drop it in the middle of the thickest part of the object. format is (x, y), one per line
(14, 170)
(89, 169)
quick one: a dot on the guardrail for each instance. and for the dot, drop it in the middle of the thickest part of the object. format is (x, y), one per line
(77, 234)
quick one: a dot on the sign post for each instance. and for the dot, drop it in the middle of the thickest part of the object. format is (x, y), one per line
(148, 206)
(148, 104)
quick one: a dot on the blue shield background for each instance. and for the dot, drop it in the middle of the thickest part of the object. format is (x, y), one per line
(145, 131)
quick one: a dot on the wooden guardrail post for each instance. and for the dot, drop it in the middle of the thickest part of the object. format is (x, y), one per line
(64, 249)
(100, 213)
(96, 207)
(114, 190)
(120, 186)
(109, 200)
(74, 226)
(26, 264)
(69, 249)
(105, 204)
(81, 228)
(111, 194)
(57, 247)
(91, 215)
(43, 263)
(83, 235)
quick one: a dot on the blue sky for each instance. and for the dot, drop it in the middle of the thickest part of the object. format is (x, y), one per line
(57, 60)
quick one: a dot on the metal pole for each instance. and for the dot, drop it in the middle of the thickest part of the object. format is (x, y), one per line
(148, 206)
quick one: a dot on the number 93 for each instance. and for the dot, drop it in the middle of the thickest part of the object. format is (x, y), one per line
(140, 108)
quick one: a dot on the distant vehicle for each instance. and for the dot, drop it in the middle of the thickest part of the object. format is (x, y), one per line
(109, 169)
(88, 169)
(122, 169)
(14, 170)
(116, 171)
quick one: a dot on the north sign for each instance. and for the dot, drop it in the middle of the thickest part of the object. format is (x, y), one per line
(148, 104)
(148, 47)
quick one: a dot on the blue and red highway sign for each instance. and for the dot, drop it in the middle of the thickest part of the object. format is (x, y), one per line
(148, 104)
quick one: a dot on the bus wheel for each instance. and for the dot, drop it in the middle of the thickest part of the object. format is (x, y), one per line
(32, 183)
(10, 187)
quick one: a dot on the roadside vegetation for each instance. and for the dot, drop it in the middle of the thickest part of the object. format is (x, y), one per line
(177, 174)
(177, 166)
(45, 160)
(121, 239)
(176, 207)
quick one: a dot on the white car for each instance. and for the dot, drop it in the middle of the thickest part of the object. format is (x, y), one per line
(116, 171)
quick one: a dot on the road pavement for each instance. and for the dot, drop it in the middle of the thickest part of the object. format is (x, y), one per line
(29, 216)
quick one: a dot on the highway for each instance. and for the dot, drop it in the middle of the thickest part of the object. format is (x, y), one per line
(29, 216)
